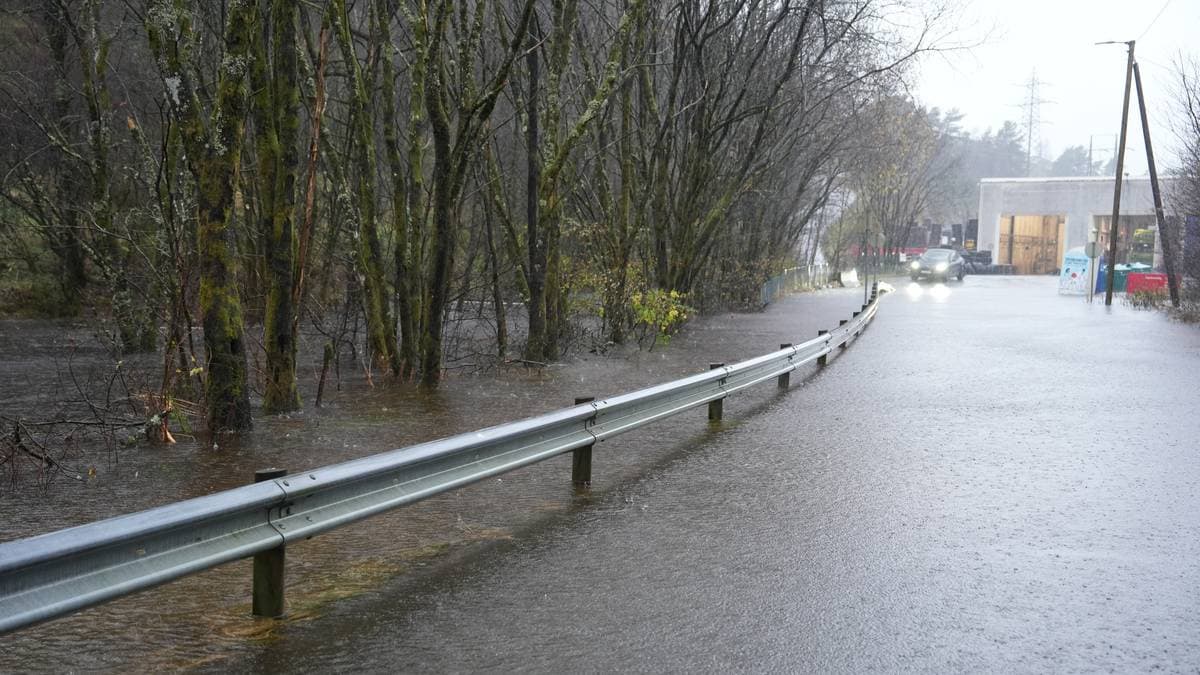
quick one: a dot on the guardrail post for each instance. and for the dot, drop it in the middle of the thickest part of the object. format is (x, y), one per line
(268, 567)
(843, 322)
(822, 360)
(786, 378)
(716, 409)
(581, 458)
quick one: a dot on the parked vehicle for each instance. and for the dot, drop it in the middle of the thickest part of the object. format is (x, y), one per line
(938, 263)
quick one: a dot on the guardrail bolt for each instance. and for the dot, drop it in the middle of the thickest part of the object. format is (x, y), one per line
(581, 458)
(786, 378)
(821, 360)
(268, 567)
(716, 409)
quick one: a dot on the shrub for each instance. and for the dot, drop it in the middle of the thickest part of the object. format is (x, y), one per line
(657, 314)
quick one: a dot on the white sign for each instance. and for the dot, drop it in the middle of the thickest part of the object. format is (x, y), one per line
(1076, 276)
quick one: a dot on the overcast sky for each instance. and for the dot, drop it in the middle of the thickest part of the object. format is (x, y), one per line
(1081, 83)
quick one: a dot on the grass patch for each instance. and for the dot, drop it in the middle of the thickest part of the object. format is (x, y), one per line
(1146, 299)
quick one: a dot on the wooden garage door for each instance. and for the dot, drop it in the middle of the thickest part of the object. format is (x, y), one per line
(1032, 244)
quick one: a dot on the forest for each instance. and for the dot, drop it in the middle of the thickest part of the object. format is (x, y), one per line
(238, 185)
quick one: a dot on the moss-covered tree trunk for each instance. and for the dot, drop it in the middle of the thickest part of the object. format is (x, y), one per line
(277, 103)
(535, 345)
(381, 332)
(214, 152)
(546, 313)
(454, 152)
(407, 293)
(64, 240)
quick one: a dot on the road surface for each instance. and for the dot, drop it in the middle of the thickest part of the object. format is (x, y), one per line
(992, 478)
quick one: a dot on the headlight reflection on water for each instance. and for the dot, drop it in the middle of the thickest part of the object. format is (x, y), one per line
(937, 292)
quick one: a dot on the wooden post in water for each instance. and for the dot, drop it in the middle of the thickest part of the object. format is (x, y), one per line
(716, 409)
(786, 378)
(581, 458)
(267, 595)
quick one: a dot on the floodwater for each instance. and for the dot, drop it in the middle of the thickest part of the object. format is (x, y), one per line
(202, 620)
(992, 478)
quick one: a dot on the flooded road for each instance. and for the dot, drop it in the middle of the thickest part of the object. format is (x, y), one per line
(992, 478)
(202, 619)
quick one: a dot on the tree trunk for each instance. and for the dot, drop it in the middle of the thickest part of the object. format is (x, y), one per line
(534, 239)
(214, 152)
(381, 332)
(497, 294)
(280, 121)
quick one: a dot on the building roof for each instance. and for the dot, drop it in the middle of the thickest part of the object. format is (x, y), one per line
(1065, 179)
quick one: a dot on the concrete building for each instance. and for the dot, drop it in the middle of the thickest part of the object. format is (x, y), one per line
(1030, 222)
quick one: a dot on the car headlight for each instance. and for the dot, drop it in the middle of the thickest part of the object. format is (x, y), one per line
(916, 265)
(941, 267)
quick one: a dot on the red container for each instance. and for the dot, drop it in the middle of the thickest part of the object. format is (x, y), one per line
(1144, 281)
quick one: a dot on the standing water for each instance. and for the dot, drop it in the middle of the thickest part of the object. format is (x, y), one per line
(204, 620)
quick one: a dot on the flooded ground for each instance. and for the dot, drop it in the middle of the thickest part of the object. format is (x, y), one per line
(202, 620)
(993, 478)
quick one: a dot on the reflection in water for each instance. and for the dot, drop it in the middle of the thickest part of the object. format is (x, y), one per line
(201, 621)
(938, 292)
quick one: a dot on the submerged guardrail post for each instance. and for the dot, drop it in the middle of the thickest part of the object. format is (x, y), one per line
(581, 458)
(62, 572)
(786, 378)
(823, 359)
(716, 409)
(267, 596)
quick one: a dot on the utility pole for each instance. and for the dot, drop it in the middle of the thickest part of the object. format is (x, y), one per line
(1116, 214)
(1168, 245)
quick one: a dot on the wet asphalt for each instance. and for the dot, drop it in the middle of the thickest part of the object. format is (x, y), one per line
(993, 478)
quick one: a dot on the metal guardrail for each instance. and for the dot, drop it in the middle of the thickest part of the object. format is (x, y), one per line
(54, 574)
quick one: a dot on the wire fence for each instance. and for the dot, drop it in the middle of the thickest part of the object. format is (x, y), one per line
(793, 280)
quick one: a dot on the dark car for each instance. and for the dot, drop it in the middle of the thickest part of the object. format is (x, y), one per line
(938, 263)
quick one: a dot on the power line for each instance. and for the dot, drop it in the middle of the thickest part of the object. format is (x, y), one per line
(1155, 20)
